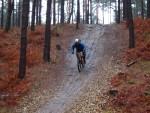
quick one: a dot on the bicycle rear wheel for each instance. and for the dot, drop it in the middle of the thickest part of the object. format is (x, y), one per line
(80, 61)
(79, 66)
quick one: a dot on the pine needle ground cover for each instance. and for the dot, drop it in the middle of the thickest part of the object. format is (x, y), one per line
(142, 49)
(11, 88)
(133, 87)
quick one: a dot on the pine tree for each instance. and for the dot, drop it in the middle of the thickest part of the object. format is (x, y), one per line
(142, 9)
(78, 14)
(23, 47)
(33, 15)
(118, 18)
(131, 25)
(148, 8)
(9, 13)
(2, 14)
(47, 41)
(62, 12)
(54, 12)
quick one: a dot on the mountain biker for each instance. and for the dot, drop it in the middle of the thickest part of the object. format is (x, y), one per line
(79, 48)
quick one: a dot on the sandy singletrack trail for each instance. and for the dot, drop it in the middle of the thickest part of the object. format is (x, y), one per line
(75, 81)
(103, 44)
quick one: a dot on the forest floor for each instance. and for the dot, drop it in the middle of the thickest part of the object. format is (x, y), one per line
(59, 87)
(102, 44)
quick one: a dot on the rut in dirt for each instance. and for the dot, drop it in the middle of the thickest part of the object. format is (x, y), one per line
(74, 81)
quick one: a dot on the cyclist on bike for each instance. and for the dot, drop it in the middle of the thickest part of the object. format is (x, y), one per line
(79, 48)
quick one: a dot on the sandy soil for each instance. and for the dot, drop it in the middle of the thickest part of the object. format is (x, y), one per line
(107, 63)
(102, 44)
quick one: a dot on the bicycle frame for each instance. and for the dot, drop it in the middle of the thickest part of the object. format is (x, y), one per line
(80, 61)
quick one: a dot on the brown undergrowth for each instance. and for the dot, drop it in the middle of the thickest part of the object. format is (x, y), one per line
(130, 92)
(133, 93)
(142, 34)
(11, 89)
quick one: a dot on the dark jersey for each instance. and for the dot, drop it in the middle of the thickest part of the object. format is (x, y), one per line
(78, 46)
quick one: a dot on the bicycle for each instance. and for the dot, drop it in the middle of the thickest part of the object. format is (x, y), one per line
(80, 61)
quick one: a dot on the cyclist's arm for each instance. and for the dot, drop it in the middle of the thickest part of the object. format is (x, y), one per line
(73, 48)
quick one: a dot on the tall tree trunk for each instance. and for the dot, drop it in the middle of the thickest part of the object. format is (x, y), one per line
(33, 16)
(78, 14)
(110, 11)
(124, 10)
(91, 12)
(103, 12)
(47, 41)
(118, 12)
(71, 13)
(97, 13)
(66, 7)
(2, 14)
(37, 12)
(19, 13)
(13, 11)
(24, 25)
(142, 9)
(87, 11)
(54, 12)
(58, 10)
(136, 10)
(148, 8)
(62, 11)
(83, 11)
(131, 25)
(85, 2)
(40, 9)
(16, 16)
(9, 13)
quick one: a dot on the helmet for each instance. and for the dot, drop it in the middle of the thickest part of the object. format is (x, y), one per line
(76, 40)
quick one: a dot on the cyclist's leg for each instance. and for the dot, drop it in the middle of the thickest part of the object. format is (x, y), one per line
(78, 62)
(84, 56)
(77, 55)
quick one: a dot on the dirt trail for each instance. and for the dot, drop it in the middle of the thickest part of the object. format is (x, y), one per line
(103, 43)
(75, 81)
